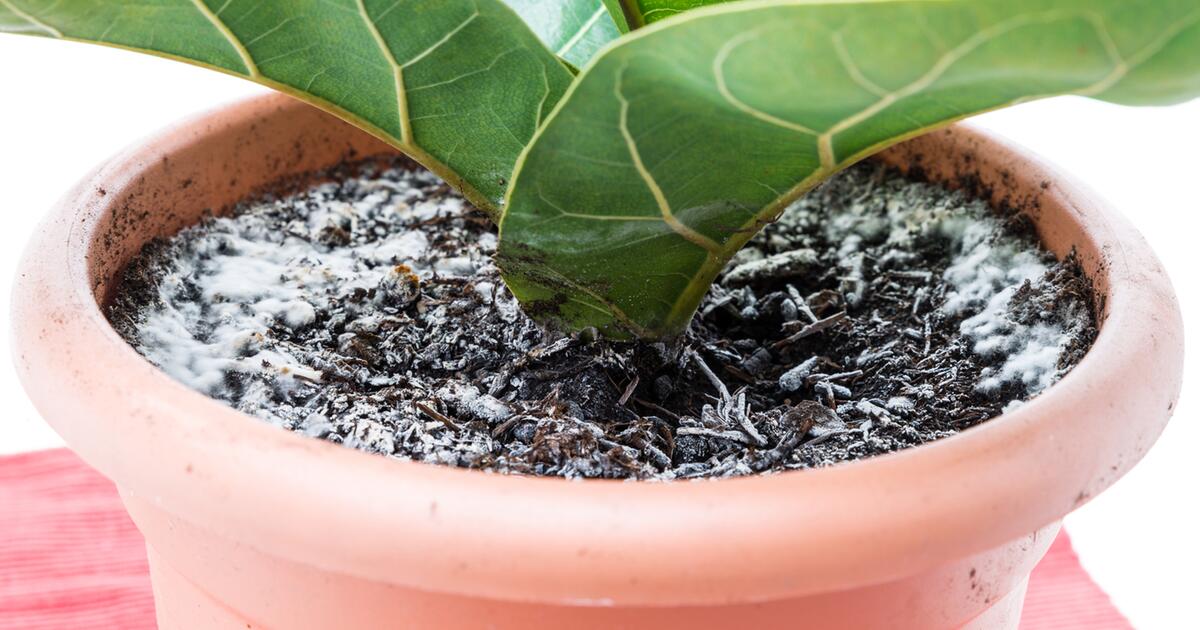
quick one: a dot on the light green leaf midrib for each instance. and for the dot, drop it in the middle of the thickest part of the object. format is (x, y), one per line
(581, 32)
(234, 42)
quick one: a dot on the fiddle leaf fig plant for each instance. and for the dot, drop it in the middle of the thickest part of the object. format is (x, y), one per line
(621, 189)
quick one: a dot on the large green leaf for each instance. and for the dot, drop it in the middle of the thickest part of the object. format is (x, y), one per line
(460, 85)
(574, 29)
(679, 143)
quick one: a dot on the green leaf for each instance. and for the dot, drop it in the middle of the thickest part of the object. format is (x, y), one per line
(643, 12)
(574, 29)
(460, 85)
(617, 9)
(676, 145)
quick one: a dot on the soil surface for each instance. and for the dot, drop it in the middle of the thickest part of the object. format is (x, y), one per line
(878, 314)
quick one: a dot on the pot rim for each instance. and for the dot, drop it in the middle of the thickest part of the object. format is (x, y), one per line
(598, 542)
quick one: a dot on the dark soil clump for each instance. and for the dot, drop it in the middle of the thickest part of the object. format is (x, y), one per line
(878, 314)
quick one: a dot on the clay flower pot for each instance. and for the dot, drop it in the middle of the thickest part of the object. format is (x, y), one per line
(250, 526)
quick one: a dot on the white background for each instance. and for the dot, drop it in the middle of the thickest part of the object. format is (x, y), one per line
(66, 107)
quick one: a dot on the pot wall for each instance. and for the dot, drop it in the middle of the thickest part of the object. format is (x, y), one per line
(248, 524)
(203, 581)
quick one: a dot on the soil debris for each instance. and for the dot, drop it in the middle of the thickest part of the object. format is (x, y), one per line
(878, 314)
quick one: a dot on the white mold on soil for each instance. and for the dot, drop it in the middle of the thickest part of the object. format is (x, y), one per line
(988, 270)
(240, 276)
(878, 314)
(989, 264)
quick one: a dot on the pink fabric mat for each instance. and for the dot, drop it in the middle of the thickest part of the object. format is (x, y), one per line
(71, 559)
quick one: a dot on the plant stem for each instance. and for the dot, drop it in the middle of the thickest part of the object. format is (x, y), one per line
(630, 14)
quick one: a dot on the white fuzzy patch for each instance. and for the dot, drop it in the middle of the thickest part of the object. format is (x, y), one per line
(987, 267)
(251, 278)
(986, 271)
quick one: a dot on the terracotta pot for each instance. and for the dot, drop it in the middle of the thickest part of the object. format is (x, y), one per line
(250, 526)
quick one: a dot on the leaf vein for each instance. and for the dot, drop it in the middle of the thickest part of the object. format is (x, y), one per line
(491, 66)
(273, 29)
(562, 212)
(1124, 66)
(578, 36)
(223, 28)
(851, 67)
(936, 71)
(445, 38)
(718, 70)
(660, 199)
(36, 23)
(397, 75)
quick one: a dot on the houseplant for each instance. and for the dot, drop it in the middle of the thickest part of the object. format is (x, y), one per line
(1145, 59)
